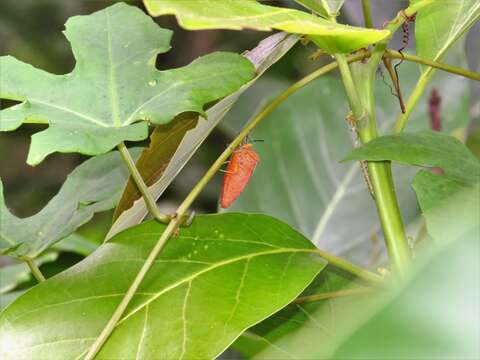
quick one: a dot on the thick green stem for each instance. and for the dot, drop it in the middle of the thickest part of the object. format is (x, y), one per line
(142, 187)
(379, 172)
(367, 14)
(34, 269)
(333, 295)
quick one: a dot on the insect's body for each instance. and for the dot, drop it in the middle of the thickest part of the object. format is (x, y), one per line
(239, 170)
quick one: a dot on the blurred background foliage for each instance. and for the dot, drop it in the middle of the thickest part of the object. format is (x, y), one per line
(30, 30)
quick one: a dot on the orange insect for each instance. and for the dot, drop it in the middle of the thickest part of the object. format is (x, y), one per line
(239, 170)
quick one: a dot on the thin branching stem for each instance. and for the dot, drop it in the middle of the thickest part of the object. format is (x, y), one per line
(434, 64)
(142, 187)
(367, 14)
(333, 295)
(34, 269)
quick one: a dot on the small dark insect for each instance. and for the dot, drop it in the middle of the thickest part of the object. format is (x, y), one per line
(239, 171)
(393, 70)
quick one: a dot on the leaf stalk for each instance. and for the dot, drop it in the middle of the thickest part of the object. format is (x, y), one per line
(333, 295)
(142, 187)
(34, 269)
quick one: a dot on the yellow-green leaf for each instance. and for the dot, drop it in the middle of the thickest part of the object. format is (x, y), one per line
(249, 14)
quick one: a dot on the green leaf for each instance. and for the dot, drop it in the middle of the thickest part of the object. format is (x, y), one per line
(115, 89)
(461, 169)
(441, 24)
(435, 314)
(13, 275)
(7, 298)
(172, 145)
(307, 330)
(220, 276)
(92, 187)
(427, 148)
(438, 193)
(238, 15)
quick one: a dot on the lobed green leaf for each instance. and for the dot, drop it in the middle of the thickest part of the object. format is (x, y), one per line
(114, 90)
(92, 187)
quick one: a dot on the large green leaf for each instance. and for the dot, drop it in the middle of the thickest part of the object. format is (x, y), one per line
(435, 316)
(115, 89)
(311, 329)
(174, 144)
(425, 148)
(218, 277)
(249, 14)
(92, 187)
(442, 23)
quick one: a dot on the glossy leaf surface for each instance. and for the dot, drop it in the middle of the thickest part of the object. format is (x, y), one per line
(237, 15)
(220, 276)
(114, 89)
(92, 187)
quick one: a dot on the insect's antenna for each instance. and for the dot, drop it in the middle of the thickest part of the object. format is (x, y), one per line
(382, 75)
(405, 38)
(248, 139)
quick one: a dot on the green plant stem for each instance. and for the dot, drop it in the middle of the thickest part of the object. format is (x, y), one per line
(142, 187)
(379, 172)
(353, 269)
(435, 64)
(187, 202)
(34, 269)
(367, 14)
(332, 295)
